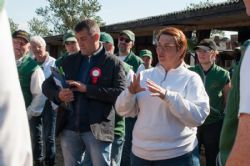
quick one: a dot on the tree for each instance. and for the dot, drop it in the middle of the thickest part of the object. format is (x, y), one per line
(13, 25)
(218, 32)
(65, 14)
(200, 4)
(37, 27)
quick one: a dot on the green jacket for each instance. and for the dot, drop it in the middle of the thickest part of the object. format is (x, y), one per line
(214, 81)
(60, 59)
(230, 124)
(133, 60)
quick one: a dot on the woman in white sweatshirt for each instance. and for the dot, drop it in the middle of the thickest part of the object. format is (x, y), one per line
(170, 102)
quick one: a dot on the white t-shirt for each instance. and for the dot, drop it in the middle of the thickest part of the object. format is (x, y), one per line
(244, 83)
(122, 57)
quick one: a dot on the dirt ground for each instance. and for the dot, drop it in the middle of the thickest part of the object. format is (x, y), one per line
(59, 156)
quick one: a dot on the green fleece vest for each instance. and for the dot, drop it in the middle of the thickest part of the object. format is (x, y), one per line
(230, 124)
(60, 59)
(25, 71)
(120, 121)
(214, 82)
(133, 61)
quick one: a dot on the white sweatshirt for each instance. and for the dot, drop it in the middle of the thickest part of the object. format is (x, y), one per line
(166, 128)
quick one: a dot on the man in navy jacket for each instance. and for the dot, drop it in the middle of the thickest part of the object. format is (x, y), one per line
(95, 79)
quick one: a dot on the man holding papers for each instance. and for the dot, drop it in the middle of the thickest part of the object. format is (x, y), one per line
(95, 78)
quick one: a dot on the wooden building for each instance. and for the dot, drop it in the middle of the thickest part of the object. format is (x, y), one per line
(230, 16)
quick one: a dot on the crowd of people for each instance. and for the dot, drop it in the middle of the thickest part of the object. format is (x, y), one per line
(115, 108)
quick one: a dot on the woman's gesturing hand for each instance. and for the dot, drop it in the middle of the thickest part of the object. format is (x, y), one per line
(135, 86)
(156, 89)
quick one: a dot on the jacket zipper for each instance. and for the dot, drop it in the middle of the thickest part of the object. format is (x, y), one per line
(165, 76)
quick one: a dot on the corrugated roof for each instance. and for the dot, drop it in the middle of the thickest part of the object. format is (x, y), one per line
(147, 20)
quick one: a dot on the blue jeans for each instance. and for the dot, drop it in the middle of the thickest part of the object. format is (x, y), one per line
(74, 144)
(36, 131)
(188, 159)
(49, 128)
(116, 151)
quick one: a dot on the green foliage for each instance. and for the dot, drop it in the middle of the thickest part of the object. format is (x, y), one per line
(13, 25)
(200, 4)
(218, 32)
(65, 14)
(37, 27)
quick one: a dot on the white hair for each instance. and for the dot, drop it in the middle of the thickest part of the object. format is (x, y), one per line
(38, 39)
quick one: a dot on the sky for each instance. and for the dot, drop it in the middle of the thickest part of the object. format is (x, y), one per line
(112, 11)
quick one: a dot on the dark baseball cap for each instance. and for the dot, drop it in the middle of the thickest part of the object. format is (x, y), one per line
(21, 34)
(207, 44)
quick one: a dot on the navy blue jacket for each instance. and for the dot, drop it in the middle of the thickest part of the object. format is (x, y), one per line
(100, 96)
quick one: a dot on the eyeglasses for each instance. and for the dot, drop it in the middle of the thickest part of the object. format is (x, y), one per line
(165, 47)
(124, 39)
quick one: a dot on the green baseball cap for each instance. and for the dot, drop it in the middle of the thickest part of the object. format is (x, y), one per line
(145, 52)
(129, 33)
(106, 38)
(69, 36)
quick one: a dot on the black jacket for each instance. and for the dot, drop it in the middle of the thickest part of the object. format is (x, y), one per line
(100, 96)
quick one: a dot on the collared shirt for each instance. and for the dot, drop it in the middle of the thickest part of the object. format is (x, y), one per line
(49, 61)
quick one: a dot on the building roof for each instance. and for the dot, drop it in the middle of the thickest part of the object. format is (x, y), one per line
(215, 16)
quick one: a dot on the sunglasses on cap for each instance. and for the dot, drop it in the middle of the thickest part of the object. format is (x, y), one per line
(124, 39)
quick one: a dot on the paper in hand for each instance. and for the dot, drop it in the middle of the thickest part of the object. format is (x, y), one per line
(59, 77)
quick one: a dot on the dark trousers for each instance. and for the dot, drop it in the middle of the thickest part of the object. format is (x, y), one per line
(49, 128)
(36, 131)
(126, 153)
(188, 159)
(209, 137)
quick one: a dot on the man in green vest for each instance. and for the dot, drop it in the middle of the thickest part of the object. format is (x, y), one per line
(31, 78)
(117, 145)
(126, 41)
(217, 83)
(234, 141)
